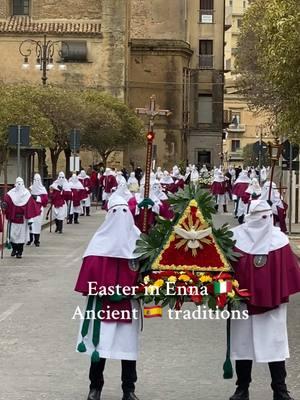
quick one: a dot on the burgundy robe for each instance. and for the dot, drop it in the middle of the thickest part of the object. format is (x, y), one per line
(218, 188)
(18, 214)
(87, 184)
(239, 189)
(108, 183)
(107, 271)
(272, 284)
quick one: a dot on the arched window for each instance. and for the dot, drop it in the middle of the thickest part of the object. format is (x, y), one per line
(20, 7)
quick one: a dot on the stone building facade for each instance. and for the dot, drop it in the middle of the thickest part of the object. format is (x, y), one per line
(96, 36)
(132, 49)
(177, 53)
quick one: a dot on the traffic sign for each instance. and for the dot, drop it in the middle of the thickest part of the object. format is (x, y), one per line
(287, 150)
(18, 130)
(286, 165)
(257, 147)
(74, 139)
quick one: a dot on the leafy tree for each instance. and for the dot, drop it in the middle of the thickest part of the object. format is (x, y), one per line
(16, 108)
(252, 158)
(109, 124)
(64, 111)
(268, 62)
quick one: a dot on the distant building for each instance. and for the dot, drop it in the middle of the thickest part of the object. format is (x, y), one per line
(94, 48)
(244, 126)
(132, 49)
(177, 52)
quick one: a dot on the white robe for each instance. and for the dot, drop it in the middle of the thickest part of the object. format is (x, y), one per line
(86, 202)
(19, 233)
(262, 338)
(118, 340)
(59, 213)
(36, 226)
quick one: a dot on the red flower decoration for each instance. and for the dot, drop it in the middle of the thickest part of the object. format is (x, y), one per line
(222, 300)
(197, 299)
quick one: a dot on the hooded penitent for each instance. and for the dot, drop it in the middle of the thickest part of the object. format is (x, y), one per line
(37, 188)
(118, 234)
(133, 184)
(270, 271)
(218, 186)
(268, 267)
(19, 194)
(166, 179)
(61, 182)
(19, 208)
(106, 263)
(75, 183)
(241, 184)
(83, 174)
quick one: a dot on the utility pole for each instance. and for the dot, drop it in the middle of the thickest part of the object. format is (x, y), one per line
(152, 111)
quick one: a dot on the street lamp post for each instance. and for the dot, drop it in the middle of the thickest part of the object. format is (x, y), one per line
(44, 52)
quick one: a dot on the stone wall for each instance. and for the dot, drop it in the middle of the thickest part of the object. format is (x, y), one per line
(3, 8)
(157, 19)
(66, 9)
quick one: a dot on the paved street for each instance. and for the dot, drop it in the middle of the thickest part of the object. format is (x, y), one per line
(179, 359)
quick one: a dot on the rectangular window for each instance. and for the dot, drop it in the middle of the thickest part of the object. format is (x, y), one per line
(239, 22)
(236, 117)
(20, 7)
(205, 109)
(203, 157)
(244, 4)
(230, 3)
(74, 51)
(206, 11)
(206, 58)
(235, 145)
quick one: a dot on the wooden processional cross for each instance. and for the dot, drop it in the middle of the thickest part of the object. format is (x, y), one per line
(152, 111)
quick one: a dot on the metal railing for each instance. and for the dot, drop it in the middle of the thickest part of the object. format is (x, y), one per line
(237, 127)
(206, 61)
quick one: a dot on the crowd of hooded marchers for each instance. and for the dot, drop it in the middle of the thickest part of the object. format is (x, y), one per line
(266, 265)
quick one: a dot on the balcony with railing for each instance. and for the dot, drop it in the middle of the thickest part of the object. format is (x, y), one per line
(206, 61)
(237, 128)
(206, 16)
(236, 155)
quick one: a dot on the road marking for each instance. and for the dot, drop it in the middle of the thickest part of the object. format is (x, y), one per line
(10, 311)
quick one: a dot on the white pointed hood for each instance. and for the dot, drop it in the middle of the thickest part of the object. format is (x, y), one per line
(118, 234)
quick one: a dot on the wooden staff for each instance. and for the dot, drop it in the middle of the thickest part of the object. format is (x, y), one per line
(2, 215)
(150, 138)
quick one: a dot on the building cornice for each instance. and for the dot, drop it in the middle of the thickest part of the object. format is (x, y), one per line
(161, 46)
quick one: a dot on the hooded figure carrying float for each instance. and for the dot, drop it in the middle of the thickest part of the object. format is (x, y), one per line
(109, 262)
(271, 273)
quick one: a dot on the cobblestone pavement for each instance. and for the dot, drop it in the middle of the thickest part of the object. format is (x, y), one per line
(179, 359)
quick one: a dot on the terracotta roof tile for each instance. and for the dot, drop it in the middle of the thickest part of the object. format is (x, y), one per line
(21, 24)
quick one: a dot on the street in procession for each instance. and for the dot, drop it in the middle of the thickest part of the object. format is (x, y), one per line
(149, 200)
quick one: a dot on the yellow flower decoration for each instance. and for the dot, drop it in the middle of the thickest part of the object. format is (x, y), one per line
(205, 279)
(146, 279)
(184, 278)
(231, 294)
(235, 283)
(151, 289)
(159, 283)
(172, 279)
